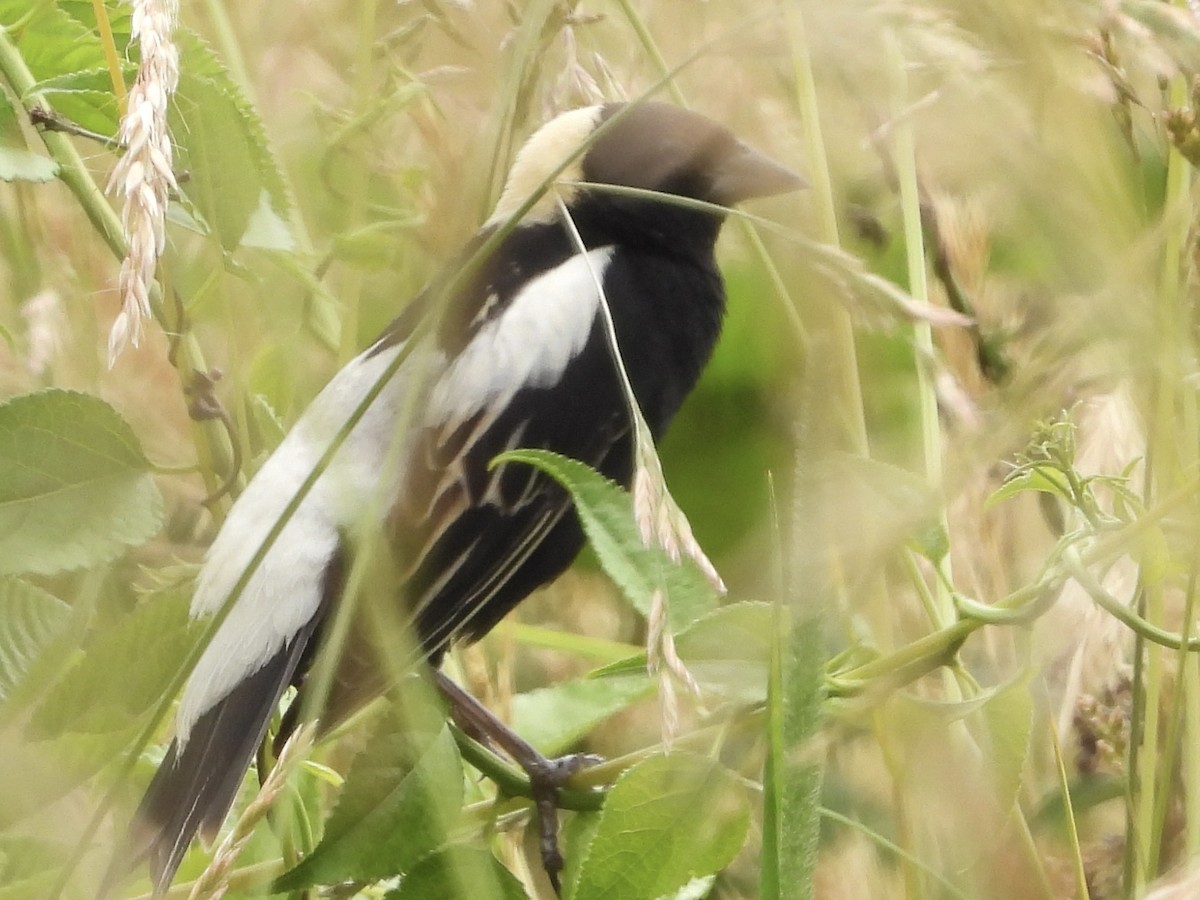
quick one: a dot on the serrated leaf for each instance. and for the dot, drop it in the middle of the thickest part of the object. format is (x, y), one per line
(215, 152)
(75, 487)
(24, 165)
(30, 619)
(666, 821)
(459, 871)
(106, 691)
(1008, 717)
(95, 110)
(553, 718)
(606, 512)
(401, 795)
(54, 44)
(214, 125)
(118, 13)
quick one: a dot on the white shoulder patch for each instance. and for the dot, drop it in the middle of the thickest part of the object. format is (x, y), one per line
(529, 344)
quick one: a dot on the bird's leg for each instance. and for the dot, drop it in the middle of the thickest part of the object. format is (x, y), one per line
(546, 776)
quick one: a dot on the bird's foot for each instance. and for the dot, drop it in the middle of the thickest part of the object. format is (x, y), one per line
(546, 777)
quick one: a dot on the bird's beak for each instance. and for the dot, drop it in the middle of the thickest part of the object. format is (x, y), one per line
(747, 173)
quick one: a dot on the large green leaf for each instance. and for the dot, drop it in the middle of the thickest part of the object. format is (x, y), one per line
(401, 795)
(666, 821)
(75, 487)
(215, 152)
(728, 651)
(30, 619)
(122, 672)
(606, 512)
(55, 43)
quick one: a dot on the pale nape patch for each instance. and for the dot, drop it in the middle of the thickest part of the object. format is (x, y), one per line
(541, 155)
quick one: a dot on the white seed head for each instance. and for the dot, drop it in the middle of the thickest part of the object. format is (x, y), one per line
(143, 175)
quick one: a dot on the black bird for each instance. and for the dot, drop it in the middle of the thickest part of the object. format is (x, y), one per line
(512, 353)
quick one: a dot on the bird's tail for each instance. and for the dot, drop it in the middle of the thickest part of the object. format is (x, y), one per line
(197, 782)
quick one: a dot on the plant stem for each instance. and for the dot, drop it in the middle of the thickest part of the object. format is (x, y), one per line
(74, 174)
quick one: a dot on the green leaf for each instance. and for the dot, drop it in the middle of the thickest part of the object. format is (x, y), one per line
(401, 796)
(727, 651)
(234, 183)
(122, 672)
(666, 821)
(266, 230)
(792, 778)
(54, 44)
(215, 152)
(1037, 478)
(23, 165)
(554, 718)
(606, 512)
(28, 867)
(118, 13)
(75, 487)
(459, 870)
(30, 620)
(1008, 720)
(17, 163)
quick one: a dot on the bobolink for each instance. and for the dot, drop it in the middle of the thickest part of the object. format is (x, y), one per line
(510, 352)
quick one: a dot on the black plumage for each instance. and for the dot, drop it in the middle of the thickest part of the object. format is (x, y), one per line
(518, 357)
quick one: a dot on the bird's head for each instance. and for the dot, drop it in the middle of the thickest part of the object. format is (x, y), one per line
(648, 146)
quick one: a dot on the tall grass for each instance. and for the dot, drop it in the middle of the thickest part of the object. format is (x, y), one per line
(993, 524)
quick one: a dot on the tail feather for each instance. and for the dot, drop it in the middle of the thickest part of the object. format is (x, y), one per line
(194, 788)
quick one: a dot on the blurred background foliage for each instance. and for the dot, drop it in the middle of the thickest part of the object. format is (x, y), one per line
(974, 531)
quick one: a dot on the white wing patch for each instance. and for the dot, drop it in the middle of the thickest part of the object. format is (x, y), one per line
(529, 344)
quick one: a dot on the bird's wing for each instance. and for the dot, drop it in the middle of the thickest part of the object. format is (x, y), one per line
(528, 373)
(471, 540)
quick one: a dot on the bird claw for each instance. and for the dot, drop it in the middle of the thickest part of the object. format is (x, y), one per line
(546, 777)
